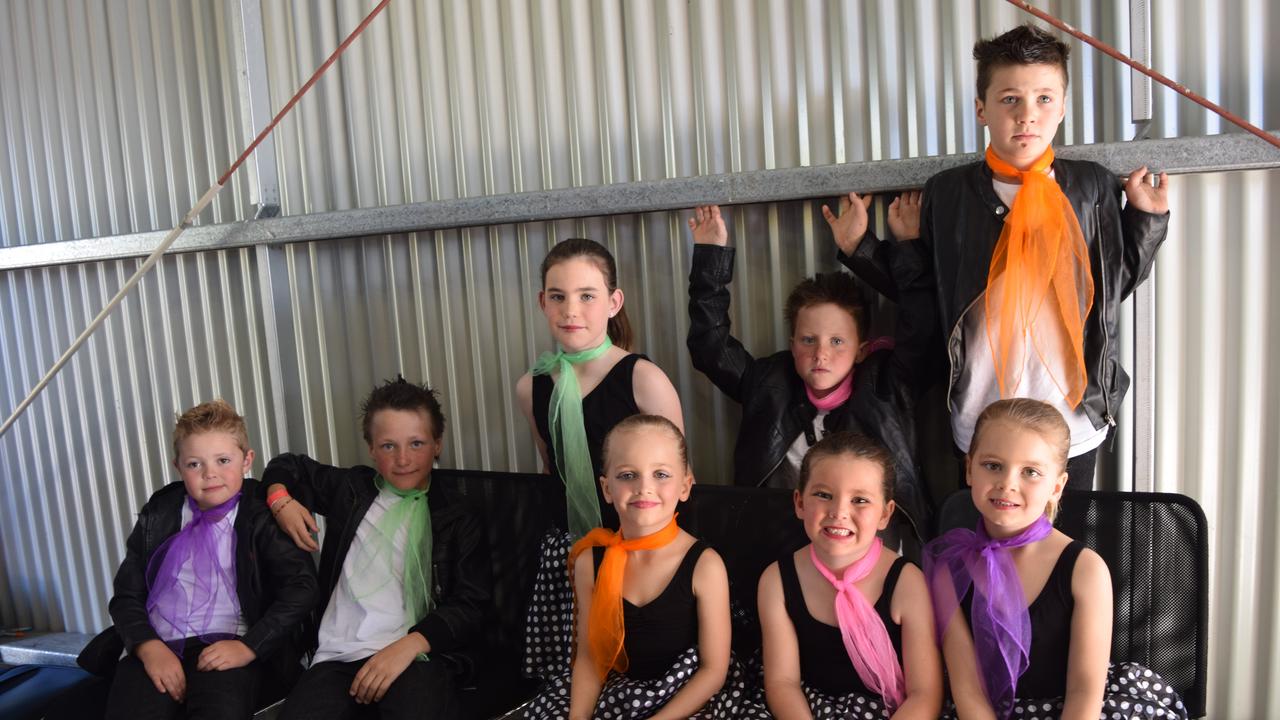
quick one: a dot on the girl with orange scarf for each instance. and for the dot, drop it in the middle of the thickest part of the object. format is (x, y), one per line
(652, 627)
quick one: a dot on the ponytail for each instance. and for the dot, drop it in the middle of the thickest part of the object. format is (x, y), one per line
(620, 329)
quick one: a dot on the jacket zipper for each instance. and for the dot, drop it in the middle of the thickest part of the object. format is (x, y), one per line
(951, 358)
(1106, 340)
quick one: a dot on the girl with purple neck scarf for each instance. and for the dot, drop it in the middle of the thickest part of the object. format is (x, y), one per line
(209, 588)
(1023, 611)
(846, 624)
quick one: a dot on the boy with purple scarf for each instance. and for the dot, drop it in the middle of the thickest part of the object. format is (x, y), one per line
(209, 591)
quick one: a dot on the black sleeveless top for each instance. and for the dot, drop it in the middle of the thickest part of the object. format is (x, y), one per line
(608, 404)
(824, 661)
(1046, 676)
(658, 631)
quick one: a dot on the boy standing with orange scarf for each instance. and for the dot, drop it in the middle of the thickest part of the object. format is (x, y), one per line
(1032, 255)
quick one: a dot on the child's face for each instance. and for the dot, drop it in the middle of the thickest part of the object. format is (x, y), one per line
(578, 304)
(212, 467)
(645, 480)
(1013, 473)
(824, 346)
(1022, 109)
(843, 506)
(403, 447)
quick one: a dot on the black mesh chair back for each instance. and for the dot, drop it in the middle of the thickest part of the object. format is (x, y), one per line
(1157, 548)
(750, 528)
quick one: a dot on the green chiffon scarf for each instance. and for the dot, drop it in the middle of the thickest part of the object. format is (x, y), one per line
(569, 435)
(412, 512)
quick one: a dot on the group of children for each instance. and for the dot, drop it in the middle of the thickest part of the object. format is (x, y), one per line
(1008, 275)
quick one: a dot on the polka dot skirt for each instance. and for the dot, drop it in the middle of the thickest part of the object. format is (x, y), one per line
(625, 699)
(854, 706)
(549, 625)
(1133, 693)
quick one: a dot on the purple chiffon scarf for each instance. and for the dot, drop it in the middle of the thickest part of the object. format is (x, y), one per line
(173, 612)
(1001, 624)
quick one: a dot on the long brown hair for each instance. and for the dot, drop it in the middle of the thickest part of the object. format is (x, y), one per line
(844, 442)
(619, 326)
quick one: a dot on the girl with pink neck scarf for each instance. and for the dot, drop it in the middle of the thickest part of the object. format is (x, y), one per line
(847, 624)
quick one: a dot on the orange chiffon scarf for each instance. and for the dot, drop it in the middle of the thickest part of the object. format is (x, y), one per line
(605, 629)
(1039, 286)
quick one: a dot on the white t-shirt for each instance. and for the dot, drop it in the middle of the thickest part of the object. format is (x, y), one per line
(355, 627)
(977, 387)
(796, 453)
(224, 621)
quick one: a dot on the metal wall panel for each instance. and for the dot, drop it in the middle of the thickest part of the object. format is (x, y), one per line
(115, 115)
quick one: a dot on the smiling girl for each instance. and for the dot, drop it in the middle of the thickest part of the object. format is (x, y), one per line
(652, 630)
(572, 398)
(1024, 612)
(847, 625)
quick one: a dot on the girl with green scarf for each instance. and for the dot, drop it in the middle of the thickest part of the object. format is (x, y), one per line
(572, 398)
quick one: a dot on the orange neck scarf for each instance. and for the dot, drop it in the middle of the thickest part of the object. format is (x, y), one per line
(605, 628)
(1040, 285)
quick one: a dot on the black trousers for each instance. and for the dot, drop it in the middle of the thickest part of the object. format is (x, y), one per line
(1080, 470)
(211, 695)
(424, 691)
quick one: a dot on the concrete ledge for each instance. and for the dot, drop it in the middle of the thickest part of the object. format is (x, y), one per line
(44, 649)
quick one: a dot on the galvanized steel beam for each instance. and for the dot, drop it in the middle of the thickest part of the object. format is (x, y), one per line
(1215, 153)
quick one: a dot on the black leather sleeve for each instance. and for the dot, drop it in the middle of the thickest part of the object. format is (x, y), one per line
(871, 262)
(128, 606)
(311, 483)
(289, 578)
(712, 347)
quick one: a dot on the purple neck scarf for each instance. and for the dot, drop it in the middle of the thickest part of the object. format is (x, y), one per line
(172, 611)
(961, 559)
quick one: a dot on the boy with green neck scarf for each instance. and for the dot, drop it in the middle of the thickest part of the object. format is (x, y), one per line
(403, 566)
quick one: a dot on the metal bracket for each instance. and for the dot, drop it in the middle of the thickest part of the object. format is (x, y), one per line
(255, 111)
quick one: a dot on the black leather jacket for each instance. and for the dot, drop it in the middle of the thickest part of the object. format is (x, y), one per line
(775, 407)
(460, 571)
(275, 581)
(959, 225)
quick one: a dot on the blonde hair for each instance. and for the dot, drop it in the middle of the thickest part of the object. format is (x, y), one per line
(1039, 417)
(213, 416)
(646, 421)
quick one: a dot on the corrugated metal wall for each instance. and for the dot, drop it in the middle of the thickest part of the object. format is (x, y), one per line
(115, 116)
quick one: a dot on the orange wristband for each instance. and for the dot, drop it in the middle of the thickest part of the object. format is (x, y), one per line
(275, 496)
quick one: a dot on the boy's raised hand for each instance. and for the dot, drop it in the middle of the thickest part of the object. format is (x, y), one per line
(225, 655)
(708, 226)
(163, 667)
(295, 520)
(848, 227)
(904, 215)
(1140, 193)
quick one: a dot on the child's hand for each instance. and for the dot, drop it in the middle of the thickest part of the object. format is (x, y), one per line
(379, 671)
(1140, 193)
(163, 667)
(708, 226)
(298, 523)
(851, 225)
(225, 655)
(904, 215)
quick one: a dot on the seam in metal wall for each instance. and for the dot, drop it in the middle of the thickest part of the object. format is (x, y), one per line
(115, 114)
